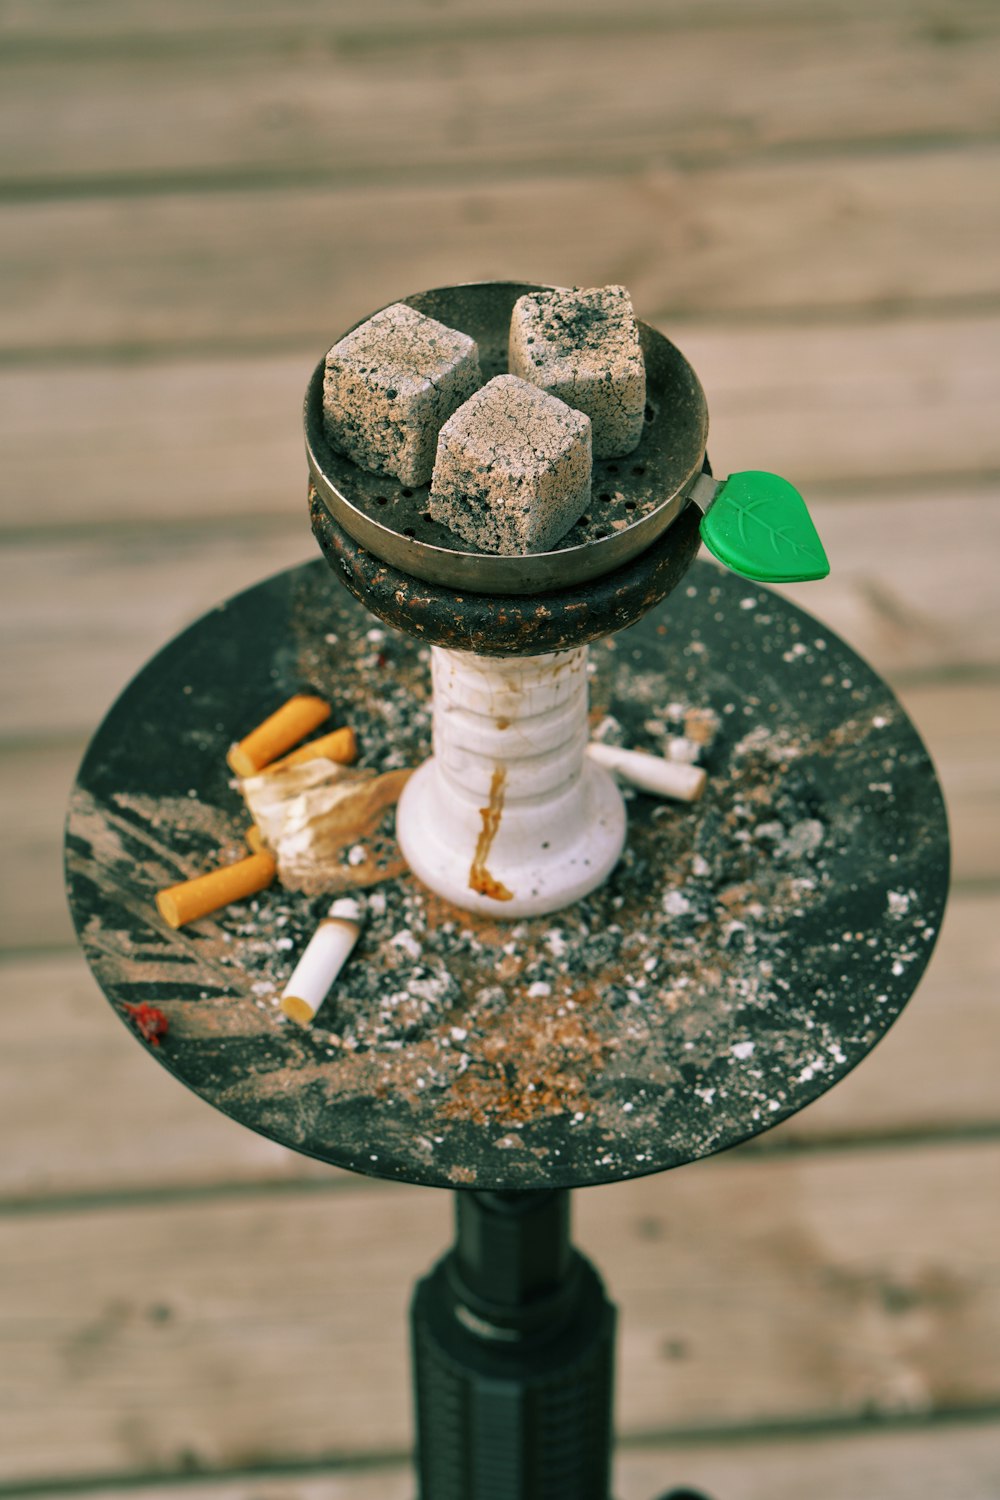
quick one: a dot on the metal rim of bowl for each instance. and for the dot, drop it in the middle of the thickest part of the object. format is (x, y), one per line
(642, 494)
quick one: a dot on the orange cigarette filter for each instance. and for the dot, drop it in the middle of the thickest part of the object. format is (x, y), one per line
(340, 746)
(285, 727)
(192, 899)
(255, 840)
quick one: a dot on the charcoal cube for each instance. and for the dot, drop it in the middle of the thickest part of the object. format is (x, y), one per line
(512, 472)
(390, 385)
(582, 345)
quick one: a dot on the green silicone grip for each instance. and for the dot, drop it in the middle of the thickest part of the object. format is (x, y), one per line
(758, 525)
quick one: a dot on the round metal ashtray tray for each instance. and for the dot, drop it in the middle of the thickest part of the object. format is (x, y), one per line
(633, 499)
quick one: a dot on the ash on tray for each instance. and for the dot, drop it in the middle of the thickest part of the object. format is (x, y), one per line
(746, 952)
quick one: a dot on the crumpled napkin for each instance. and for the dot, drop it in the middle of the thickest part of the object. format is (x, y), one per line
(309, 814)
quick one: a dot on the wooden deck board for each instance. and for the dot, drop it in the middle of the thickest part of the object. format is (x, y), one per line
(752, 1290)
(48, 25)
(846, 233)
(495, 103)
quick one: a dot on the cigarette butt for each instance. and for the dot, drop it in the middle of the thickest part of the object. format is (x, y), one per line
(324, 957)
(651, 773)
(285, 727)
(255, 840)
(192, 899)
(340, 745)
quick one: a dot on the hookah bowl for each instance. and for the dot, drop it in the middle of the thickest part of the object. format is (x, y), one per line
(507, 824)
(508, 818)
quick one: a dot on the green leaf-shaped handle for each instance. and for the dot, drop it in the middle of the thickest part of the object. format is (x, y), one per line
(759, 526)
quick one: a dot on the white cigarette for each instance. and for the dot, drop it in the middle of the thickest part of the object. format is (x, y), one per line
(651, 773)
(324, 957)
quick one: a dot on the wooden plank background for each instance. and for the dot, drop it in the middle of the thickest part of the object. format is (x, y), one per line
(194, 199)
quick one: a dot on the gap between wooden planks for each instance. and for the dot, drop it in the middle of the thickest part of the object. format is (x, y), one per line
(846, 234)
(138, 1132)
(909, 403)
(48, 23)
(957, 1461)
(159, 1338)
(533, 93)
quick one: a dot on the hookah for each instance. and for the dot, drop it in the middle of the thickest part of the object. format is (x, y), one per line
(516, 824)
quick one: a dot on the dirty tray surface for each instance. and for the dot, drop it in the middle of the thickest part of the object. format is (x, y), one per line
(746, 954)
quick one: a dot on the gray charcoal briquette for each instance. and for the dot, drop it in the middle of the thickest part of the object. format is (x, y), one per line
(582, 345)
(512, 472)
(391, 384)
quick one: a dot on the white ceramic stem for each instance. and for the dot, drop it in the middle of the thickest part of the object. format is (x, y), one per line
(508, 817)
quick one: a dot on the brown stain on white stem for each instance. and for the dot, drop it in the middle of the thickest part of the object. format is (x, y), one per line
(480, 879)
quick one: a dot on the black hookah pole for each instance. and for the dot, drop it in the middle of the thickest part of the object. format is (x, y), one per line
(513, 1343)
